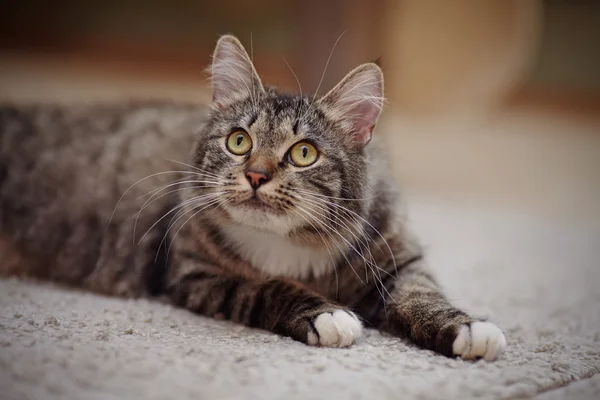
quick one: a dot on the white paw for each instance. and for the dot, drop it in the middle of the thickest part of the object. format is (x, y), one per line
(481, 339)
(337, 329)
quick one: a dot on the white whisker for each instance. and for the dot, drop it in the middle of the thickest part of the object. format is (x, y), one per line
(148, 202)
(179, 206)
(293, 73)
(139, 181)
(193, 167)
(371, 262)
(244, 68)
(324, 199)
(342, 252)
(375, 269)
(322, 75)
(334, 198)
(329, 251)
(160, 189)
(204, 207)
(365, 221)
(252, 62)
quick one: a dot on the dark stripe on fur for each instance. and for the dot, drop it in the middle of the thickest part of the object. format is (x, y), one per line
(230, 288)
(252, 120)
(156, 270)
(412, 260)
(258, 306)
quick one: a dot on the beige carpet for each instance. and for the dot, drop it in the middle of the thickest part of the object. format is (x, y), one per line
(536, 278)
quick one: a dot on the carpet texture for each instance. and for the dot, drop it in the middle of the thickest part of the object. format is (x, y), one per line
(536, 278)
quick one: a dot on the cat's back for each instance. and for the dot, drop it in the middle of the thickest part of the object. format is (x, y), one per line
(63, 168)
(68, 156)
(63, 135)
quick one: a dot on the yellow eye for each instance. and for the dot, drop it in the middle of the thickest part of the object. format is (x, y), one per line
(303, 154)
(239, 143)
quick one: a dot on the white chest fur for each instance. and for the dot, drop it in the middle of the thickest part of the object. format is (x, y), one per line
(277, 255)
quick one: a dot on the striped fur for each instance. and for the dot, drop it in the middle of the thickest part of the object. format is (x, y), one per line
(145, 199)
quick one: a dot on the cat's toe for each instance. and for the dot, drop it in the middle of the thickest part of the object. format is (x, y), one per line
(479, 339)
(337, 329)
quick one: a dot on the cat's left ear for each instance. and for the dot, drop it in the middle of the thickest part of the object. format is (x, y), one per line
(232, 73)
(356, 102)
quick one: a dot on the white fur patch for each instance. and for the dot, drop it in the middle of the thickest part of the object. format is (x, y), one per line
(277, 255)
(261, 220)
(339, 329)
(481, 339)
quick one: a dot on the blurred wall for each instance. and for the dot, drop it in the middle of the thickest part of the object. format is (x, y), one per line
(174, 38)
(569, 55)
(439, 56)
(460, 54)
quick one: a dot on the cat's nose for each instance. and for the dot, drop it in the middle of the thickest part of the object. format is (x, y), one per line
(257, 177)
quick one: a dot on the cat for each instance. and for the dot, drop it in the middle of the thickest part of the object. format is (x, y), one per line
(283, 216)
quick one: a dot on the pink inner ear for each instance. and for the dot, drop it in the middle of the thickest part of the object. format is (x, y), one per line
(363, 117)
(363, 136)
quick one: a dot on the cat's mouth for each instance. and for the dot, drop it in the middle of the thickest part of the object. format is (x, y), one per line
(256, 203)
(261, 211)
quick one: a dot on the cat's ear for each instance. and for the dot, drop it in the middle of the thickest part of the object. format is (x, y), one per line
(232, 73)
(356, 102)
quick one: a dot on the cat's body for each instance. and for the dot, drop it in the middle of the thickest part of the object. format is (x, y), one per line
(281, 217)
(63, 170)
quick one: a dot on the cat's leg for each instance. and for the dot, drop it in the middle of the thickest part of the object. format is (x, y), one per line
(417, 309)
(283, 307)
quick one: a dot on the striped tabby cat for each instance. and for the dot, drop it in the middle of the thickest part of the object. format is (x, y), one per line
(283, 217)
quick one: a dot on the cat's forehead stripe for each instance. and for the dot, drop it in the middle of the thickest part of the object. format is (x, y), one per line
(253, 119)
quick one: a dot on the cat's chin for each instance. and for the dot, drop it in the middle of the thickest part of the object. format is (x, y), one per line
(260, 217)
(255, 205)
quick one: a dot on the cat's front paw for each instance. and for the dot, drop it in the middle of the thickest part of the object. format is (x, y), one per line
(335, 329)
(479, 339)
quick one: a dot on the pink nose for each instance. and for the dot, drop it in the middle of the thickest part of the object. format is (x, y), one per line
(257, 177)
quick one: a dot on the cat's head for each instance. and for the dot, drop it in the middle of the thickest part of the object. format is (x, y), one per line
(286, 163)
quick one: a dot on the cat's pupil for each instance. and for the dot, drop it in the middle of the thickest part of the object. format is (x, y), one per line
(240, 139)
(304, 151)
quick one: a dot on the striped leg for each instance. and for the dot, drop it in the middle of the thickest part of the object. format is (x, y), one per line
(418, 310)
(283, 307)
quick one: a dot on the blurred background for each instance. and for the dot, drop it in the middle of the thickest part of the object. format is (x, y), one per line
(494, 101)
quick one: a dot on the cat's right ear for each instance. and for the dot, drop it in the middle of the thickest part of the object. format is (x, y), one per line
(356, 102)
(232, 73)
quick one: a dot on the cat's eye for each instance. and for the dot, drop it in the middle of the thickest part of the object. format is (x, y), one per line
(239, 142)
(303, 154)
